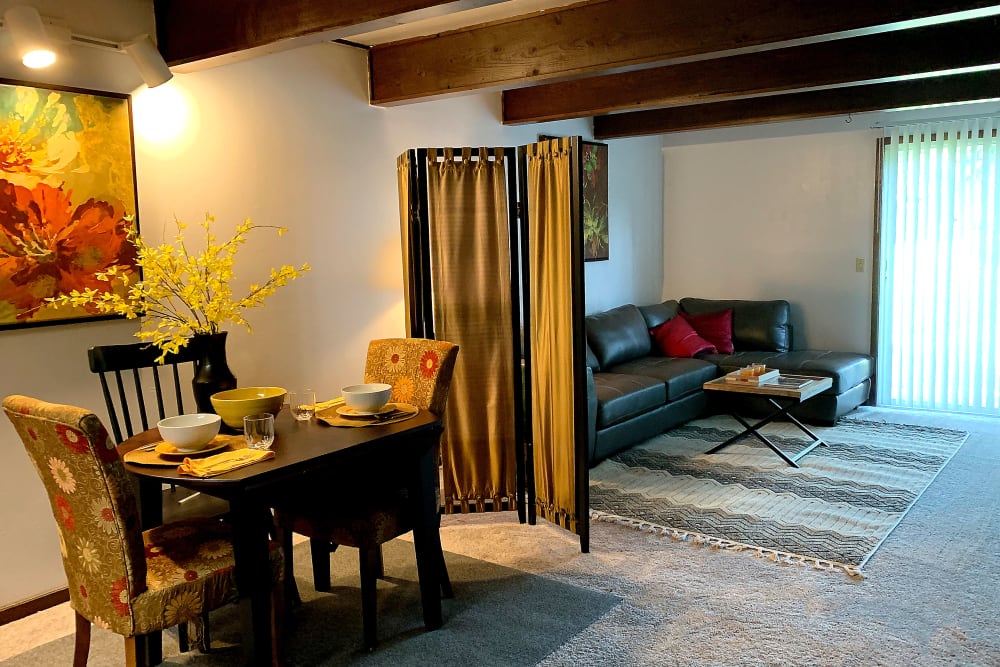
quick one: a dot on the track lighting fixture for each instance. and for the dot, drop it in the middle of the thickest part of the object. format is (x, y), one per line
(31, 41)
(152, 67)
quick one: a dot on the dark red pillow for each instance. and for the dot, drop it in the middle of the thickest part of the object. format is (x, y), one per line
(676, 338)
(716, 328)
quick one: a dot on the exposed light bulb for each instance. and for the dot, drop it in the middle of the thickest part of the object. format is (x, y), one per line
(38, 58)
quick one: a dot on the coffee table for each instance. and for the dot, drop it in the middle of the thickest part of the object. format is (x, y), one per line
(797, 389)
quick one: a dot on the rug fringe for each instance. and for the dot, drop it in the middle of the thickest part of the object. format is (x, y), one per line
(773, 555)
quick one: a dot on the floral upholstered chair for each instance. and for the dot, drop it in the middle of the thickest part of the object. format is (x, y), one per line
(121, 578)
(420, 372)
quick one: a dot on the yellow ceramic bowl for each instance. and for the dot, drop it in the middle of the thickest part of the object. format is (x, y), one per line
(235, 404)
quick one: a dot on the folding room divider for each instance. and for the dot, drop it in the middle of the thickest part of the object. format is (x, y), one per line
(493, 261)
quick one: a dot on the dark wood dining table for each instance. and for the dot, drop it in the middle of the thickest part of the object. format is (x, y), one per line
(309, 455)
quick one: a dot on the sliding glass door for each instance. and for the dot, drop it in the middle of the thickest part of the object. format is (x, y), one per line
(939, 246)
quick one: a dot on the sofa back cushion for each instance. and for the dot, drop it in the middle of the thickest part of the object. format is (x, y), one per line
(757, 325)
(618, 335)
(659, 313)
(592, 360)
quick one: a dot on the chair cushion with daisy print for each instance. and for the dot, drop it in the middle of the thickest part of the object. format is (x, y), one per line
(120, 578)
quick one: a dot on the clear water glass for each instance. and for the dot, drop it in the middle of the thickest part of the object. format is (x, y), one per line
(302, 404)
(259, 430)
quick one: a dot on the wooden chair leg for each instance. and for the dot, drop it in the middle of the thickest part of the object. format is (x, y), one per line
(206, 637)
(278, 622)
(291, 593)
(81, 647)
(182, 637)
(370, 561)
(133, 656)
(320, 551)
(445, 580)
(378, 562)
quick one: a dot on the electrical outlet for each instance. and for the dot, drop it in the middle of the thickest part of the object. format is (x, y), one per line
(859, 264)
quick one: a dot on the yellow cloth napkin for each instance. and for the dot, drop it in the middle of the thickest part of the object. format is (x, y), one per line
(323, 405)
(210, 466)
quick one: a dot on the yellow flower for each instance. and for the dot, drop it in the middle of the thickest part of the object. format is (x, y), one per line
(183, 607)
(180, 293)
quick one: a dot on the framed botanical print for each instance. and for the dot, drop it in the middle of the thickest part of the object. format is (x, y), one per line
(596, 236)
(67, 197)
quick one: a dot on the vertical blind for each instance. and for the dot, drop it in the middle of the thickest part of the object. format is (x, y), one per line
(940, 268)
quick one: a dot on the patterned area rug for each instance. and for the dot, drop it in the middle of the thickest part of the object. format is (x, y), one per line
(832, 513)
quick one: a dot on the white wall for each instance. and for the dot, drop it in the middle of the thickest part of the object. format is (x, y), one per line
(778, 218)
(782, 211)
(290, 140)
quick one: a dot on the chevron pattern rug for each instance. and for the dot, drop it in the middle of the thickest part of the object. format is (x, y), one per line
(831, 513)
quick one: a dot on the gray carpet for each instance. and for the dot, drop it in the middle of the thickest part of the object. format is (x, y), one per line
(499, 616)
(931, 599)
(832, 512)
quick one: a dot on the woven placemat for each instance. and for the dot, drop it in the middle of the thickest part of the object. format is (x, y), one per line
(150, 457)
(400, 412)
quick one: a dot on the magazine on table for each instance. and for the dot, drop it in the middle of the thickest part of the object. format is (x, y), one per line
(791, 381)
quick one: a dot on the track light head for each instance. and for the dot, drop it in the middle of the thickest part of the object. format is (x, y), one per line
(29, 35)
(152, 67)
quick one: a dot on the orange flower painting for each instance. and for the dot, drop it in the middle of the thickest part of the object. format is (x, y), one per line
(67, 195)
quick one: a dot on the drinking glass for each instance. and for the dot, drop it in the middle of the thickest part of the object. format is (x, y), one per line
(259, 430)
(302, 404)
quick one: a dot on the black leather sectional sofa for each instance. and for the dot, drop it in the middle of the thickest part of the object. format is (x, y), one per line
(634, 392)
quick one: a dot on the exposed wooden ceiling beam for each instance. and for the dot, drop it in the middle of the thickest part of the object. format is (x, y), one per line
(967, 87)
(193, 30)
(935, 48)
(608, 34)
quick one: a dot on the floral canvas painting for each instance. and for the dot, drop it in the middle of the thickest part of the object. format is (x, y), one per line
(67, 198)
(596, 239)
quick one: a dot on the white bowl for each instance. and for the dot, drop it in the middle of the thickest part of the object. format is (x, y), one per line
(189, 433)
(370, 397)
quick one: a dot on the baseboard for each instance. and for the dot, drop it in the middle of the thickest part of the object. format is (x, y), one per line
(33, 605)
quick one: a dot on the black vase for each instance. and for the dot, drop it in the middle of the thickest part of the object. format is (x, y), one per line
(211, 372)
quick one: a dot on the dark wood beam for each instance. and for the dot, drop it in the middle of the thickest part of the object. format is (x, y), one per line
(935, 48)
(948, 89)
(609, 34)
(192, 30)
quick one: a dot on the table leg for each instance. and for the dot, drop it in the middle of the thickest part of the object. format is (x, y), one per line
(754, 429)
(251, 524)
(150, 646)
(426, 538)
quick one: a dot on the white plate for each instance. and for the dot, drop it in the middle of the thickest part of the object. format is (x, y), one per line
(345, 411)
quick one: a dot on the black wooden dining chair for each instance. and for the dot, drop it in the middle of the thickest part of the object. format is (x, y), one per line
(138, 392)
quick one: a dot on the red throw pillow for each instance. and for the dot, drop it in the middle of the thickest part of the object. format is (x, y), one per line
(676, 338)
(716, 328)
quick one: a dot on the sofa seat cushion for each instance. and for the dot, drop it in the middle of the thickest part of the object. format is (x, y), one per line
(680, 375)
(847, 369)
(621, 396)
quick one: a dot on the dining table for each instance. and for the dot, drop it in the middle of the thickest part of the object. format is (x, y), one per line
(308, 456)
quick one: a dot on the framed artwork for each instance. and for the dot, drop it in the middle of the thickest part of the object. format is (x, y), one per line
(67, 196)
(596, 239)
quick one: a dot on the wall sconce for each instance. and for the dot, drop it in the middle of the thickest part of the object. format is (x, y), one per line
(30, 38)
